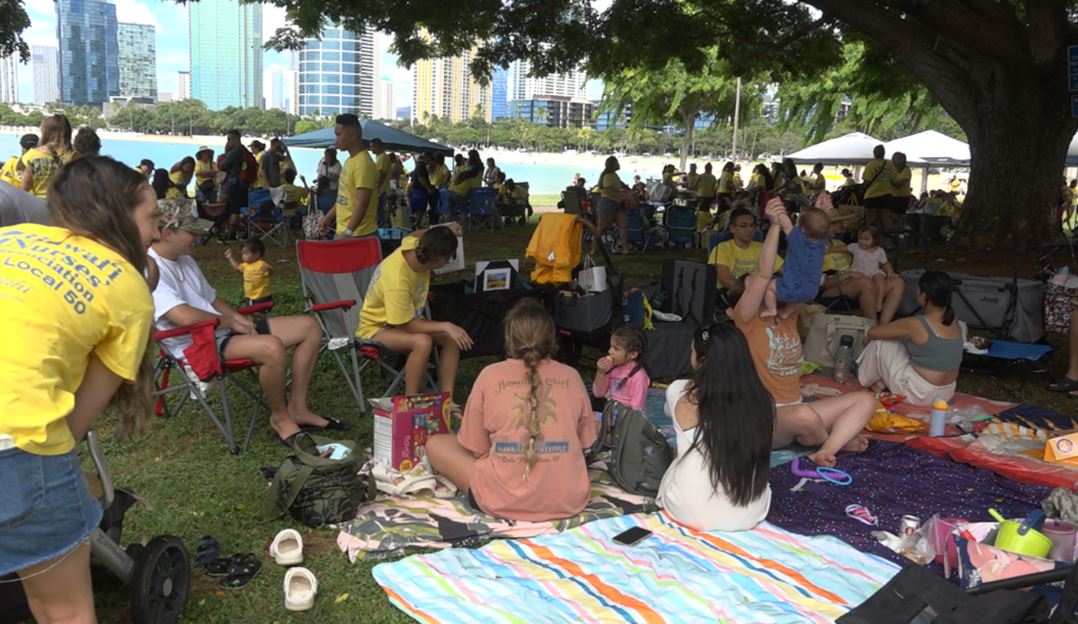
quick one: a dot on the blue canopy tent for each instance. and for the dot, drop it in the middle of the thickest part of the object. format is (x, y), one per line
(394, 140)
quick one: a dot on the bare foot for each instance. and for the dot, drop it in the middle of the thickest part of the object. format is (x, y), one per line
(823, 458)
(304, 417)
(856, 445)
(283, 425)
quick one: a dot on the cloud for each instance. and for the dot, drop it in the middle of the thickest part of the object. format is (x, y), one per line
(133, 12)
(273, 17)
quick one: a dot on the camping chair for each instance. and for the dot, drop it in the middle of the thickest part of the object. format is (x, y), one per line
(192, 385)
(481, 207)
(270, 217)
(640, 235)
(1003, 355)
(680, 225)
(335, 277)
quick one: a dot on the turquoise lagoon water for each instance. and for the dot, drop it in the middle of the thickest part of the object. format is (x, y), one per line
(543, 178)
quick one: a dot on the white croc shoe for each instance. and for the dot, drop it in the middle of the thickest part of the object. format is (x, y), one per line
(300, 587)
(287, 548)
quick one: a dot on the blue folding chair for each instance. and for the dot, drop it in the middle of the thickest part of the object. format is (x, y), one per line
(481, 206)
(681, 225)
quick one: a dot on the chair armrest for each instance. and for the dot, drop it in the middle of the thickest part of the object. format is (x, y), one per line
(255, 309)
(186, 329)
(343, 304)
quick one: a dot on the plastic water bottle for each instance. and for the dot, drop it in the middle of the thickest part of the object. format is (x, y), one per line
(938, 420)
(843, 359)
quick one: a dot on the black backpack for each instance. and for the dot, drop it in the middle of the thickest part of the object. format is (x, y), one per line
(640, 452)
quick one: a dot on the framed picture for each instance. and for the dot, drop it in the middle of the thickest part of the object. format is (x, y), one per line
(497, 279)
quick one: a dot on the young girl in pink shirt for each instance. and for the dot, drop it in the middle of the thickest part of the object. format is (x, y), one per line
(620, 374)
(519, 454)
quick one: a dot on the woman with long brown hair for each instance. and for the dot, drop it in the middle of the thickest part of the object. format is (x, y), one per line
(38, 166)
(520, 450)
(75, 322)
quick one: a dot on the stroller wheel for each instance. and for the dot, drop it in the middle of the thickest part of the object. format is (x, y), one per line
(161, 581)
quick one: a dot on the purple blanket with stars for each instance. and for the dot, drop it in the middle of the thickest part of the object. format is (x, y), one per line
(892, 480)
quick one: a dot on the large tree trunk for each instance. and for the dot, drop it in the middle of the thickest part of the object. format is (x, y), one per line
(688, 120)
(1003, 79)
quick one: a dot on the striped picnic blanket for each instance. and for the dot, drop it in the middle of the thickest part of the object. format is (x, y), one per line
(675, 575)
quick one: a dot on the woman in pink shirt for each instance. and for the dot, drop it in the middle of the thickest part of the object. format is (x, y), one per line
(519, 454)
(620, 375)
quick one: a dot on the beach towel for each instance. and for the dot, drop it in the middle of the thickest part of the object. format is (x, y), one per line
(390, 527)
(893, 480)
(675, 575)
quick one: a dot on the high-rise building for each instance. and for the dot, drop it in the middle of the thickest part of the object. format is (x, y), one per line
(138, 60)
(499, 99)
(337, 73)
(383, 104)
(278, 88)
(524, 87)
(89, 51)
(555, 111)
(183, 85)
(444, 88)
(45, 61)
(9, 80)
(226, 53)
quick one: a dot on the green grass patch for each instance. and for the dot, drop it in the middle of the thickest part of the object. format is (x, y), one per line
(195, 487)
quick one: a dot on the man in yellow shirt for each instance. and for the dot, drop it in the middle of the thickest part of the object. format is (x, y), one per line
(706, 185)
(692, 178)
(877, 180)
(9, 172)
(382, 164)
(740, 255)
(356, 210)
(258, 148)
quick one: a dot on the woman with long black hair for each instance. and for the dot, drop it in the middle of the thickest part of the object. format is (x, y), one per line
(724, 418)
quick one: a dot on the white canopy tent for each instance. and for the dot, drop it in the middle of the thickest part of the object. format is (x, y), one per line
(854, 148)
(931, 147)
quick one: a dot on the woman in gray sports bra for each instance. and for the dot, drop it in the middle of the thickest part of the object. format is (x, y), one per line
(917, 356)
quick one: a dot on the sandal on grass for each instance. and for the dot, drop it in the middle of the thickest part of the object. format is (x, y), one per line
(221, 565)
(242, 571)
(209, 549)
(1065, 385)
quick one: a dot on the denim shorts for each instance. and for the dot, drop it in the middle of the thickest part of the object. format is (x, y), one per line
(608, 206)
(46, 510)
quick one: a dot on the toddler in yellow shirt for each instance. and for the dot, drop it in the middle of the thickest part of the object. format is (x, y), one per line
(256, 271)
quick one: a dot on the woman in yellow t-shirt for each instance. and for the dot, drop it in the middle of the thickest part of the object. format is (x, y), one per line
(179, 178)
(876, 179)
(40, 164)
(610, 209)
(392, 311)
(205, 175)
(900, 186)
(75, 324)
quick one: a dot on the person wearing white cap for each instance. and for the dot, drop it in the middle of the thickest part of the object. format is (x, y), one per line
(205, 175)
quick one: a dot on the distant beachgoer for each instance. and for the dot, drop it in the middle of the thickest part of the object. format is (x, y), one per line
(235, 189)
(490, 176)
(258, 148)
(692, 178)
(739, 184)
(9, 172)
(468, 176)
(877, 180)
(610, 209)
(41, 163)
(179, 177)
(86, 142)
(384, 167)
(145, 167)
(327, 176)
(205, 175)
(847, 178)
(900, 186)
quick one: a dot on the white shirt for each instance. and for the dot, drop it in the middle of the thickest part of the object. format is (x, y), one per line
(865, 262)
(686, 491)
(181, 282)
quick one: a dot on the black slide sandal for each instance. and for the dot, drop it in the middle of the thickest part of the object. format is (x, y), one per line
(241, 572)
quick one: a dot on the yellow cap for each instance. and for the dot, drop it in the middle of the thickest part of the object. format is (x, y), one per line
(940, 405)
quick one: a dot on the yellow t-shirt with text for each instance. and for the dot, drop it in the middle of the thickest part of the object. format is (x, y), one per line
(739, 261)
(256, 279)
(43, 165)
(397, 293)
(63, 298)
(358, 172)
(382, 164)
(706, 185)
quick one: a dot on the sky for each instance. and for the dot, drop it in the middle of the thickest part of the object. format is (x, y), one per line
(173, 50)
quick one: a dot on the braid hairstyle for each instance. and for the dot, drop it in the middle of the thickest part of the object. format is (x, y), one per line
(529, 336)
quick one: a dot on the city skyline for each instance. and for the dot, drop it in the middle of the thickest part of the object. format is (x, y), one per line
(173, 47)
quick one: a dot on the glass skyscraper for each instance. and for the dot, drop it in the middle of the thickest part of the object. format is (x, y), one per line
(89, 51)
(499, 87)
(46, 63)
(226, 53)
(138, 61)
(337, 74)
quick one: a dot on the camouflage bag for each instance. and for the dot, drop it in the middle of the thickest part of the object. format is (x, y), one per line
(317, 489)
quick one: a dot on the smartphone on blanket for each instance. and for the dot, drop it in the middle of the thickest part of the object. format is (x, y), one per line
(631, 537)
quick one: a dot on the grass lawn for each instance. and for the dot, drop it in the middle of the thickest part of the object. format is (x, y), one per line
(195, 487)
